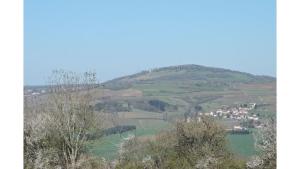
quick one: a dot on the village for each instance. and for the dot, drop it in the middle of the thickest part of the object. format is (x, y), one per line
(239, 113)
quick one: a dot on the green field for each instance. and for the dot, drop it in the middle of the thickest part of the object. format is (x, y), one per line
(108, 146)
(242, 145)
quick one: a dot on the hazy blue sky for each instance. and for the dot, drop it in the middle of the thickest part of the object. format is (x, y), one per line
(117, 38)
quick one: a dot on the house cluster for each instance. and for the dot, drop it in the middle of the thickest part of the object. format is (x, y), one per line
(238, 112)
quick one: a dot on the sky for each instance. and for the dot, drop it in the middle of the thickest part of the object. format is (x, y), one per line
(116, 37)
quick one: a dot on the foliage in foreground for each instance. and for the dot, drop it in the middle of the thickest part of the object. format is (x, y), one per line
(189, 145)
(266, 144)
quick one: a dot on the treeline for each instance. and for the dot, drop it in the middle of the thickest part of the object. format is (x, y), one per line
(152, 105)
(109, 131)
(113, 106)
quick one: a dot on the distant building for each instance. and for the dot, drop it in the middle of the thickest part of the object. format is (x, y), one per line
(35, 93)
(188, 119)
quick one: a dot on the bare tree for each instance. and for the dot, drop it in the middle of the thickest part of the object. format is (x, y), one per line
(57, 124)
(70, 113)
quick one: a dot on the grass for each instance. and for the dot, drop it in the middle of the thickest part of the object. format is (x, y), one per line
(242, 145)
(106, 147)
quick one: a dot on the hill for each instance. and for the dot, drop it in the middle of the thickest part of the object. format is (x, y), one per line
(183, 75)
(188, 85)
